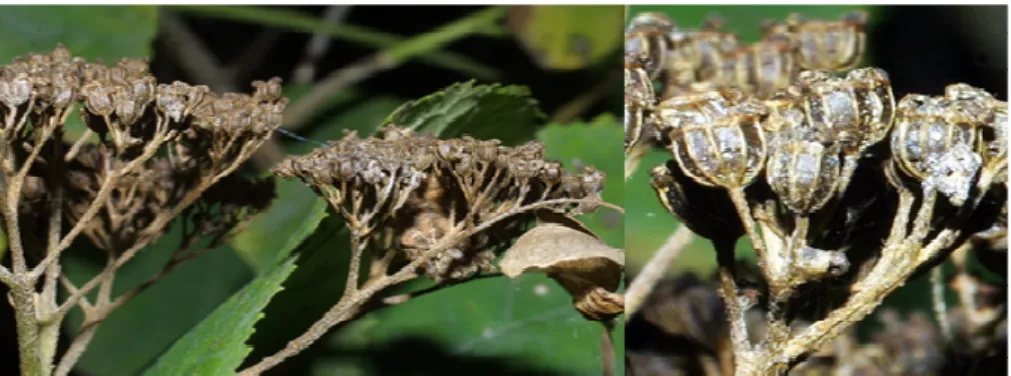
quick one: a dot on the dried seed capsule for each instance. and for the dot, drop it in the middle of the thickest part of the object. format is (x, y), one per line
(639, 96)
(16, 90)
(977, 106)
(829, 45)
(716, 137)
(785, 111)
(802, 172)
(648, 40)
(705, 211)
(704, 52)
(876, 103)
(98, 98)
(764, 67)
(925, 129)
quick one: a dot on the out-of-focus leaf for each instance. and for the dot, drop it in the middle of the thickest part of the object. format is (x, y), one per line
(508, 113)
(510, 326)
(568, 37)
(217, 345)
(296, 203)
(599, 144)
(589, 269)
(298, 21)
(93, 32)
(162, 313)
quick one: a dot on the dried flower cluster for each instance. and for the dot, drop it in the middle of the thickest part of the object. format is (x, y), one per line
(806, 171)
(418, 190)
(695, 60)
(163, 151)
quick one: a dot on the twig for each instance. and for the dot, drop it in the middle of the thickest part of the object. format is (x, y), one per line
(191, 55)
(305, 71)
(302, 111)
(654, 270)
(571, 110)
(350, 305)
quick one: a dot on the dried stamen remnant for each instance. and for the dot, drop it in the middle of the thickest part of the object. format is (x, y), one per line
(428, 190)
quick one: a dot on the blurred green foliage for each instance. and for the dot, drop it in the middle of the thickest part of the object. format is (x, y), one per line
(568, 37)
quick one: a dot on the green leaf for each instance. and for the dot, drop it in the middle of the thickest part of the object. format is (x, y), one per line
(599, 144)
(93, 32)
(217, 345)
(297, 207)
(162, 313)
(508, 113)
(499, 326)
(298, 21)
(568, 37)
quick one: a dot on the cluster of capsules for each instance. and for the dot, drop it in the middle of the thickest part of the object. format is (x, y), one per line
(696, 60)
(157, 143)
(420, 187)
(807, 138)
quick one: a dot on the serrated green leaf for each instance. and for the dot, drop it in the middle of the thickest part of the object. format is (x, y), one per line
(568, 37)
(93, 32)
(508, 113)
(162, 313)
(217, 345)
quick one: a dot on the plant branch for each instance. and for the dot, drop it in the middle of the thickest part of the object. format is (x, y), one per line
(654, 270)
(350, 305)
(305, 71)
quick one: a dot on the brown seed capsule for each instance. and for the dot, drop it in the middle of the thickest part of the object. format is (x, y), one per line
(15, 90)
(648, 40)
(704, 52)
(639, 96)
(858, 110)
(716, 137)
(926, 128)
(829, 45)
(764, 67)
(804, 173)
(705, 211)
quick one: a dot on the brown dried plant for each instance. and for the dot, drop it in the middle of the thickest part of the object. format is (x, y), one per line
(797, 160)
(164, 153)
(416, 205)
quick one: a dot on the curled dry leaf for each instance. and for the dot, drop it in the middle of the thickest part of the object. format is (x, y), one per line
(589, 269)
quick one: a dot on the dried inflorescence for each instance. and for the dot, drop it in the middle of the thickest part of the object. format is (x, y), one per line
(150, 154)
(688, 61)
(420, 191)
(161, 145)
(808, 169)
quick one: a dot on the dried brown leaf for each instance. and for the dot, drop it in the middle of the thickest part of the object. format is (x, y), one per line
(588, 268)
